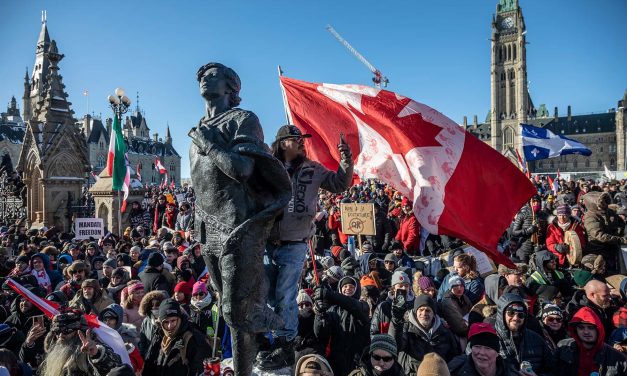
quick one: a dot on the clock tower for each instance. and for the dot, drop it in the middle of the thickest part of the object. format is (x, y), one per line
(510, 101)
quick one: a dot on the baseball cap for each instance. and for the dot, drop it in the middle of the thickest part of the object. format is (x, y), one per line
(289, 131)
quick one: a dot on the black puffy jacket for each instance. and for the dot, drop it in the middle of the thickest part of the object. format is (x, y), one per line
(463, 365)
(529, 346)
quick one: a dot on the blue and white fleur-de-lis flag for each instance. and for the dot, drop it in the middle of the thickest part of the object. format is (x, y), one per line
(541, 143)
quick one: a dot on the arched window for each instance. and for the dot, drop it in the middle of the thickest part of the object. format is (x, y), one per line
(612, 162)
(500, 54)
(172, 167)
(509, 136)
(509, 52)
(514, 52)
(101, 161)
(599, 163)
(575, 163)
(587, 163)
(551, 164)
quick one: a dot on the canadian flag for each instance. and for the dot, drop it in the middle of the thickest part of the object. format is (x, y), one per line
(460, 186)
(159, 167)
(106, 334)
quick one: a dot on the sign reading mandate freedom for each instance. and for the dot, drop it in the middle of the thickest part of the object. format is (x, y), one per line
(86, 228)
(358, 219)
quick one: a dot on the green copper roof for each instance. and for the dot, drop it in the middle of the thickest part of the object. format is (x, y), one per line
(507, 5)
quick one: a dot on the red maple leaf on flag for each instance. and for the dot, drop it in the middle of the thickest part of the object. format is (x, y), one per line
(382, 113)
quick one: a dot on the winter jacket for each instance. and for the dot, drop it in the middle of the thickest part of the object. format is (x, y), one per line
(366, 369)
(604, 227)
(474, 288)
(463, 365)
(522, 230)
(409, 234)
(172, 362)
(154, 279)
(343, 328)
(383, 230)
(529, 346)
(453, 310)
(414, 341)
(555, 237)
(541, 277)
(184, 222)
(99, 302)
(573, 359)
(296, 223)
(580, 300)
(486, 307)
(382, 315)
(53, 274)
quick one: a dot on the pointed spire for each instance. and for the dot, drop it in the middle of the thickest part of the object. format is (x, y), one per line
(26, 78)
(44, 38)
(168, 138)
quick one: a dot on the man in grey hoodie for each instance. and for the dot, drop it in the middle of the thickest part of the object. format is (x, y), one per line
(288, 242)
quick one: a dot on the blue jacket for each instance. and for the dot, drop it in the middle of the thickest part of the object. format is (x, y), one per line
(54, 275)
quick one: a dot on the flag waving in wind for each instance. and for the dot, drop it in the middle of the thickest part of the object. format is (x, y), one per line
(541, 143)
(116, 162)
(159, 167)
(459, 185)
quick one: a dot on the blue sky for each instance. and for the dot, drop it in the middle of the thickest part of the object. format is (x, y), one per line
(436, 52)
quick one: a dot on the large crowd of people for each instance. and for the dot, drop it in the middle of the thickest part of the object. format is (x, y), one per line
(392, 306)
(400, 302)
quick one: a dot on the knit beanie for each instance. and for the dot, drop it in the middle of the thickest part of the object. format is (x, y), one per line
(424, 300)
(425, 283)
(303, 297)
(551, 310)
(456, 281)
(199, 286)
(327, 262)
(184, 288)
(383, 342)
(112, 263)
(346, 281)
(581, 277)
(399, 277)
(563, 209)
(336, 250)
(334, 274)
(433, 365)
(155, 259)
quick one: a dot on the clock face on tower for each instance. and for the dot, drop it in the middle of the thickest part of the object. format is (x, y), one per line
(507, 23)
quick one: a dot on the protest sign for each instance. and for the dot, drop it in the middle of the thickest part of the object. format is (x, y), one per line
(358, 219)
(86, 228)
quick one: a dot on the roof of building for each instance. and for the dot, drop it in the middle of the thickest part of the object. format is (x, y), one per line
(12, 128)
(150, 147)
(564, 125)
(97, 129)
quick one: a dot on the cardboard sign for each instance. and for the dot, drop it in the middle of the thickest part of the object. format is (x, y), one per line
(358, 219)
(180, 198)
(86, 228)
(485, 266)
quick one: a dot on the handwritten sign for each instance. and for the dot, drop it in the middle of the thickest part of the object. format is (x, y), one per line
(180, 198)
(485, 266)
(358, 219)
(86, 228)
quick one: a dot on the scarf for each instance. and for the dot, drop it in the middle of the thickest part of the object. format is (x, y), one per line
(199, 305)
(564, 226)
(42, 279)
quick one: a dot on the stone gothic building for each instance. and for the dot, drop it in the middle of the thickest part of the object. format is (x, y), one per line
(12, 130)
(511, 105)
(53, 157)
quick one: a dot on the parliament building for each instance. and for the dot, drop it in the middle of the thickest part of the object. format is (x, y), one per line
(511, 105)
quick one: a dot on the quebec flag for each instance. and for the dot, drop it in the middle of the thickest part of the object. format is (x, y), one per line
(541, 143)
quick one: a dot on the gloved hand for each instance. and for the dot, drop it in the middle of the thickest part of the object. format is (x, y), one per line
(559, 248)
(320, 307)
(530, 230)
(399, 307)
(349, 265)
(320, 294)
(565, 248)
(385, 246)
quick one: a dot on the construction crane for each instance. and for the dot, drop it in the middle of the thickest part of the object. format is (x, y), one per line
(378, 79)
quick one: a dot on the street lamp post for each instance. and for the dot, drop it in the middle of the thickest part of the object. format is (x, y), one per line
(119, 104)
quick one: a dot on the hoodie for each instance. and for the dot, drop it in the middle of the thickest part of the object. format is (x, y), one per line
(604, 227)
(586, 357)
(526, 345)
(128, 332)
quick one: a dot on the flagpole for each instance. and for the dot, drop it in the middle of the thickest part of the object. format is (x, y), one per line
(286, 107)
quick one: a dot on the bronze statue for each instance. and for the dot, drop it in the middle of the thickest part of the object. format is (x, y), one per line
(240, 189)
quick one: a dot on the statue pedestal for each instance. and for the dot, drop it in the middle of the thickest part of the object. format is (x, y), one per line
(108, 202)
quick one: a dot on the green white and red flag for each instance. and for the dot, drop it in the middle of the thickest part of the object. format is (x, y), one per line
(117, 164)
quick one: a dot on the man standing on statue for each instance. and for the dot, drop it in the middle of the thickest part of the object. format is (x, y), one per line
(240, 189)
(288, 243)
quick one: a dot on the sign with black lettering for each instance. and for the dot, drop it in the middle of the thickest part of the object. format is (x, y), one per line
(358, 219)
(86, 228)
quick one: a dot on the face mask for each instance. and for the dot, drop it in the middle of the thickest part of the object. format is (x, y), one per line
(535, 207)
(305, 312)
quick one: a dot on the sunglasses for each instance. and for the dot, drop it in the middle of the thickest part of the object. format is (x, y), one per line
(554, 319)
(520, 315)
(383, 358)
(66, 331)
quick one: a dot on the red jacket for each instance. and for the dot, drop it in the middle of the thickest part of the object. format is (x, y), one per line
(555, 235)
(409, 234)
(335, 223)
